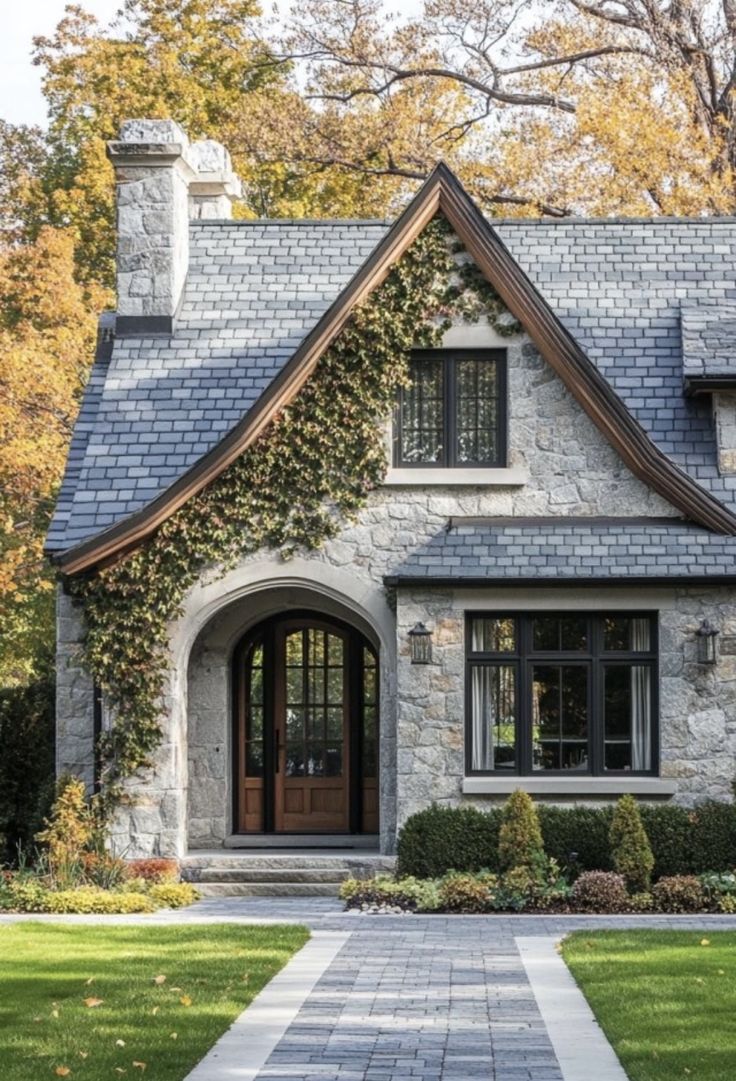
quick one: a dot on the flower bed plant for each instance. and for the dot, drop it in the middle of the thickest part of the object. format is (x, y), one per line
(71, 872)
(521, 876)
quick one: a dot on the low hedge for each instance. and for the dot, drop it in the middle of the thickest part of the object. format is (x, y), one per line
(684, 842)
(442, 839)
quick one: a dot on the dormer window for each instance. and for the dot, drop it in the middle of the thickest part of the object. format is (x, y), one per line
(453, 415)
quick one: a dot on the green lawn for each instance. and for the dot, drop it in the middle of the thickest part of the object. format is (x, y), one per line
(156, 997)
(665, 999)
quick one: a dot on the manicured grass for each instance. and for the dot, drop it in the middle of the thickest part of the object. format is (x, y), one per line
(665, 999)
(47, 971)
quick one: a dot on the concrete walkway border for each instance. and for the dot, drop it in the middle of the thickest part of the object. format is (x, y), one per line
(582, 1050)
(242, 1051)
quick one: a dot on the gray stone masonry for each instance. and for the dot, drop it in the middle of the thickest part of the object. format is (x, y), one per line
(162, 180)
(724, 413)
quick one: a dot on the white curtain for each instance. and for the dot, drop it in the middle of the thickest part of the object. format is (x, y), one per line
(483, 716)
(493, 695)
(641, 698)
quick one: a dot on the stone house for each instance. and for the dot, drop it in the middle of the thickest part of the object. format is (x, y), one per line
(542, 594)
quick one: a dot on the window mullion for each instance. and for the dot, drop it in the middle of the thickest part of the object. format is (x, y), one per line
(450, 450)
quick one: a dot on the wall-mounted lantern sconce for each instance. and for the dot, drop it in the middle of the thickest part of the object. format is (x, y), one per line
(421, 644)
(707, 643)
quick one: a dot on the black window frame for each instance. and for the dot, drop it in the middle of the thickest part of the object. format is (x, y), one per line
(449, 458)
(595, 658)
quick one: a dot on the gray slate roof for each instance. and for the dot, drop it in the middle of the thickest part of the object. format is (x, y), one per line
(256, 288)
(571, 550)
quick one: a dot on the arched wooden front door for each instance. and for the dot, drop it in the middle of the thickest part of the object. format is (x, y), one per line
(306, 728)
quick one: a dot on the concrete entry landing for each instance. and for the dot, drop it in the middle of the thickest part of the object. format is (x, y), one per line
(280, 872)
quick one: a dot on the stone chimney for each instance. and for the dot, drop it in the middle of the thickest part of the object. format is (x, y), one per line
(162, 180)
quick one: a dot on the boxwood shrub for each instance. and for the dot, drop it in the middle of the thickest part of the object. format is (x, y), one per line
(442, 839)
(684, 842)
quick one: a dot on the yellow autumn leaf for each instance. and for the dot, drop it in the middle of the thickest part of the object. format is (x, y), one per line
(705, 942)
(120, 1043)
(83, 1054)
(173, 1035)
(139, 1065)
(54, 1013)
(155, 1010)
(62, 1071)
(89, 981)
(185, 1000)
(90, 1003)
(159, 980)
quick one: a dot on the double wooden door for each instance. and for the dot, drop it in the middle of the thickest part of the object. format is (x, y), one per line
(306, 729)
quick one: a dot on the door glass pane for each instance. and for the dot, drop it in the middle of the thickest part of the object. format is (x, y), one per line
(422, 412)
(626, 634)
(493, 635)
(333, 760)
(560, 717)
(628, 717)
(555, 633)
(493, 717)
(253, 756)
(477, 410)
(294, 760)
(315, 760)
(369, 762)
(315, 679)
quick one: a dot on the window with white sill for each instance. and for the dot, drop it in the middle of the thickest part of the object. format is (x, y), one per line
(561, 694)
(452, 415)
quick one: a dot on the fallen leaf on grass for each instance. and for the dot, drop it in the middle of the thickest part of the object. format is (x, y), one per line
(155, 1010)
(139, 1065)
(173, 1035)
(54, 1013)
(705, 942)
(120, 1043)
(62, 1071)
(89, 981)
(185, 1000)
(82, 1054)
(90, 1003)
(158, 980)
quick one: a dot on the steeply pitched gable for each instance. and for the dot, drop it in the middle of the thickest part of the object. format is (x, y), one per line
(441, 193)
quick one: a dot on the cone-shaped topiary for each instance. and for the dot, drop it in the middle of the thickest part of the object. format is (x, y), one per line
(630, 848)
(520, 841)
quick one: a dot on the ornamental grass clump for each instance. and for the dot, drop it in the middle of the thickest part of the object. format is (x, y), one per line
(630, 848)
(520, 841)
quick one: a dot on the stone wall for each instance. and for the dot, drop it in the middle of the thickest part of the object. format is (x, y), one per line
(697, 705)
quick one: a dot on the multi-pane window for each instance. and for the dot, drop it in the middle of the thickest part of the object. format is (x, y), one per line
(315, 695)
(561, 693)
(453, 412)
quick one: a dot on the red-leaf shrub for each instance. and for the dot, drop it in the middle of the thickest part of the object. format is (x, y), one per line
(600, 891)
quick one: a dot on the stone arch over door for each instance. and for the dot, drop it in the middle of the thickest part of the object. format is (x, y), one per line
(217, 615)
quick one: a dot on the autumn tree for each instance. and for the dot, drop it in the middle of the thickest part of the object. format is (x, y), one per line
(194, 61)
(47, 334)
(607, 106)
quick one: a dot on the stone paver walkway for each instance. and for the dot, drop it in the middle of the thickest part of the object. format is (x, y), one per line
(417, 998)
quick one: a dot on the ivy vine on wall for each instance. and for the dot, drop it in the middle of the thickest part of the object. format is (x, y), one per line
(310, 470)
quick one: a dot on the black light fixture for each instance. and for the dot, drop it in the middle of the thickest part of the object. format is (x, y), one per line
(421, 644)
(707, 643)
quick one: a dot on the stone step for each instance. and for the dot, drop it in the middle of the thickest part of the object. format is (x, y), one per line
(368, 865)
(268, 874)
(268, 889)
